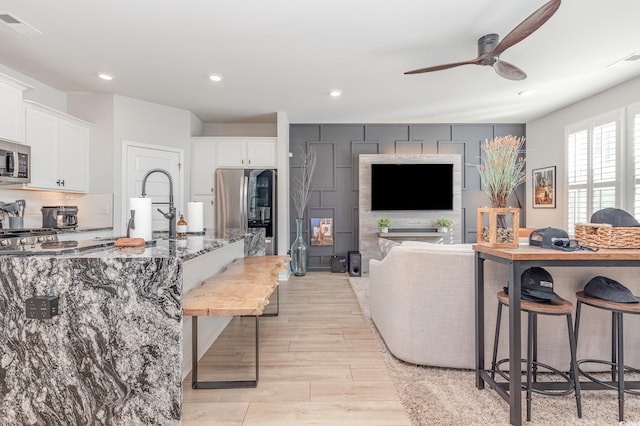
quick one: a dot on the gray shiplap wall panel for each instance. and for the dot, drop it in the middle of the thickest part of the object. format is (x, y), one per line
(387, 134)
(472, 135)
(430, 134)
(342, 135)
(408, 147)
(455, 147)
(358, 148)
(324, 175)
(343, 239)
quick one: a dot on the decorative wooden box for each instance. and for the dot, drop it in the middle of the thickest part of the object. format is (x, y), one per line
(498, 227)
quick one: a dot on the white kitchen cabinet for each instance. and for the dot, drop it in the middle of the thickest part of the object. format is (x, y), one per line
(12, 108)
(203, 165)
(247, 152)
(59, 149)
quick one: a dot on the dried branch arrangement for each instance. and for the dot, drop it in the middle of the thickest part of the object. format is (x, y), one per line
(301, 188)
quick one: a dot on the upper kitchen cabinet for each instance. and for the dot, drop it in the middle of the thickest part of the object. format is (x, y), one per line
(12, 109)
(59, 149)
(247, 152)
(203, 165)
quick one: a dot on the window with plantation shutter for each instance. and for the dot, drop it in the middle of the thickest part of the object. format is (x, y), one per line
(634, 118)
(593, 154)
(577, 156)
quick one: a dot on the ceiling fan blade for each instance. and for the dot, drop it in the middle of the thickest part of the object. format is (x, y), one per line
(508, 71)
(528, 26)
(445, 66)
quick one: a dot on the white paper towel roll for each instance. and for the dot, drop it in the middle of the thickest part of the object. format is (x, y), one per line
(143, 220)
(195, 216)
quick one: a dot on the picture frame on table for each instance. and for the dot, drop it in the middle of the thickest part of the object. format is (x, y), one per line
(544, 188)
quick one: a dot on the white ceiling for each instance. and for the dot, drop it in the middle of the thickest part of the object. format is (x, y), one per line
(286, 55)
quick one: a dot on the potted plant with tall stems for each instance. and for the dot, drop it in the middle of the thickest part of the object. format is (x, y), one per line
(501, 172)
(300, 193)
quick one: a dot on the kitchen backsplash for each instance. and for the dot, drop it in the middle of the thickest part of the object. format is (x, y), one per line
(94, 210)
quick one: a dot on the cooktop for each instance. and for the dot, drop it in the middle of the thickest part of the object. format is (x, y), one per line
(54, 247)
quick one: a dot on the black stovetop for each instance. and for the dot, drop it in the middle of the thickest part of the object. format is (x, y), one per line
(54, 247)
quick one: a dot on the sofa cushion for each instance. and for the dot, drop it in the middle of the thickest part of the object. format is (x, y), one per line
(386, 245)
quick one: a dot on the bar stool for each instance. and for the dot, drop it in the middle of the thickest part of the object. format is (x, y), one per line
(533, 309)
(617, 345)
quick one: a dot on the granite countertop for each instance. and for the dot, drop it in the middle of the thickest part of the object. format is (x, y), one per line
(85, 229)
(188, 248)
(184, 249)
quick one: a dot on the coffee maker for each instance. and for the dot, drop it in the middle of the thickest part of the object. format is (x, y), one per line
(59, 217)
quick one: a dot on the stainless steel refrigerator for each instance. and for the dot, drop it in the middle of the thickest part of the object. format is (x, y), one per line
(246, 198)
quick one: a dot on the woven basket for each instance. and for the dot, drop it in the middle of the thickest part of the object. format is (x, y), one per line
(605, 236)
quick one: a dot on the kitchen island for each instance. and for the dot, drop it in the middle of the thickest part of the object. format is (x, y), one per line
(114, 354)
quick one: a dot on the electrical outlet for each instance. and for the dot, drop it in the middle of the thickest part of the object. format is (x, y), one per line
(41, 307)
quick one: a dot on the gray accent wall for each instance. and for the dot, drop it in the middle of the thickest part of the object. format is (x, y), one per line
(336, 180)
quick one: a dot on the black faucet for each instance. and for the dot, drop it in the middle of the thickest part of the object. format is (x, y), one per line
(171, 215)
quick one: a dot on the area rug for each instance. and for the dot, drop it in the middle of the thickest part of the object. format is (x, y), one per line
(441, 396)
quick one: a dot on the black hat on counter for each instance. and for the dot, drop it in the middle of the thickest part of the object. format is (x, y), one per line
(609, 289)
(548, 238)
(537, 286)
(614, 217)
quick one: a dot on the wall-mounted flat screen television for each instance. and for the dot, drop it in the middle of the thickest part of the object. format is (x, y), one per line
(411, 186)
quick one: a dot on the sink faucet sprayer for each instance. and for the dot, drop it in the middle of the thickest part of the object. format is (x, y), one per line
(171, 215)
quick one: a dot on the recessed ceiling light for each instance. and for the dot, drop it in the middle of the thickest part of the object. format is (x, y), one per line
(215, 77)
(105, 76)
(335, 93)
(527, 92)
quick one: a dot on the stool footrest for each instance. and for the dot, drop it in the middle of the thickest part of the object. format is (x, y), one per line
(565, 387)
(611, 384)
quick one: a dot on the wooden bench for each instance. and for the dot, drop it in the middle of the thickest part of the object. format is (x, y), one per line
(242, 289)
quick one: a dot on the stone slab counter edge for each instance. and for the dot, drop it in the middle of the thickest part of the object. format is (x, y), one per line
(114, 353)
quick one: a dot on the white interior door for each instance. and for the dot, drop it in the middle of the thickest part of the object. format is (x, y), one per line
(140, 158)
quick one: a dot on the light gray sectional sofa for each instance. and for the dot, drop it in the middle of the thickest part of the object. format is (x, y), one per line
(422, 303)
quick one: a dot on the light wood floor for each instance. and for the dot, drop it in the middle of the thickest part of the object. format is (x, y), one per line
(319, 364)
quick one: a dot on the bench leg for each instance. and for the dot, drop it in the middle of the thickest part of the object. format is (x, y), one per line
(275, 314)
(219, 384)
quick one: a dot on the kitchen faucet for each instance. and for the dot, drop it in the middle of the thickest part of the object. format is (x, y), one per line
(171, 215)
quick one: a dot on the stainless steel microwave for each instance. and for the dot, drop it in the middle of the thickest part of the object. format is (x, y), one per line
(15, 163)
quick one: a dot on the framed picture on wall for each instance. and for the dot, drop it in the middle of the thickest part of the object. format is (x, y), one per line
(321, 231)
(544, 188)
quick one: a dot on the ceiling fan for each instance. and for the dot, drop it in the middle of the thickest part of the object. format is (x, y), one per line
(489, 49)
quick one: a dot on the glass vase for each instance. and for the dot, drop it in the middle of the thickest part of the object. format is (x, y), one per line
(299, 252)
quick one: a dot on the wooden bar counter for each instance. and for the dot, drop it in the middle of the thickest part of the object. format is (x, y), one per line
(518, 260)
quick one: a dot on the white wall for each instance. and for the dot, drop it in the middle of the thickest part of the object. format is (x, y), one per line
(283, 185)
(95, 209)
(41, 93)
(240, 129)
(117, 118)
(97, 109)
(149, 123)
(545, 145)
(197, 126)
